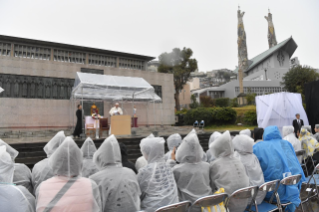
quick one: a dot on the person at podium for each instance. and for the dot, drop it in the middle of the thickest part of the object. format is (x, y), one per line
(116, 110)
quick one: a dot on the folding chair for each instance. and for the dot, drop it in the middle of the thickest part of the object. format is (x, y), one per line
(210, 201)
(177, 207)
(302, 153)
(238, 200)
(267, 206)
(309, 190)
(291, 180)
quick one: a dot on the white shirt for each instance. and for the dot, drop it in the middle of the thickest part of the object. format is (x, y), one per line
(115, 111)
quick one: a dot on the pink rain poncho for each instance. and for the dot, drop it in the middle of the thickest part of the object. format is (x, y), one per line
(67, 191)
(41, 171)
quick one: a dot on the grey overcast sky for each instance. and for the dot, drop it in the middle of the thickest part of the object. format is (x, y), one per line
(151, 27)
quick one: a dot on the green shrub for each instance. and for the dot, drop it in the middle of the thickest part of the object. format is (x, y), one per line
(198, 114)
(251, 98)
(225, 115)
(250, 117)
(206, 101)
(222, 102)
(234, 102)
(194, 104)
(181, 112)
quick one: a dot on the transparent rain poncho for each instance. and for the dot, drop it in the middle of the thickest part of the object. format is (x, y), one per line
(276, 157)
(156, 180)
(317, 133)
(172, 141)
(12, 198)
(308, 141)
(245, 132)
(41, 171)
(76, 193)
(212, 138)
(227, 171)
(117, 184)
(191, 174)
(243, 146)
(289, 135)
(22, 174)
(88, 149)
(204, 156)
(141, 161)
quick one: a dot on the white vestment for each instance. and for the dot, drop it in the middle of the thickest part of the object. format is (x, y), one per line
(115, 110)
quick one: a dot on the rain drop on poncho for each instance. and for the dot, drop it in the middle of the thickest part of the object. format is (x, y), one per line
(243, 146)
(88, 149)
(191, 174)
(41, 171)
(12, 198)
(22, 174)
(156, 180)
(172, 141)
(212, 138)
(276, 157)
(76, 193)
(227, 171)
(289, 135)
(117, 184)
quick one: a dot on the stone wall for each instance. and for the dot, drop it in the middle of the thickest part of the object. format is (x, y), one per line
(32, 111)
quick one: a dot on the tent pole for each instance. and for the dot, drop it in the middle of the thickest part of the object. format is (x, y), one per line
(82, 111)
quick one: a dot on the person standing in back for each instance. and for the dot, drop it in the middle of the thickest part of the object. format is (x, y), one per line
(297, 123)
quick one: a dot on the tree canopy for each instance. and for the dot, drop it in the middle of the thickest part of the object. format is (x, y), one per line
(180, 64)
(298, 76)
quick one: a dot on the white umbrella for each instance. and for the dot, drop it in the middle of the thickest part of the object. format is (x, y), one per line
(1, 90)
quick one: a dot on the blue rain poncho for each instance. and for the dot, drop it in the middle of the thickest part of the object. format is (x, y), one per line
(276, 157)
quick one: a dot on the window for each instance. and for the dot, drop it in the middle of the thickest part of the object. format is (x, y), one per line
(32, 52)
(158, 90)
(131, 64)
(68, 56)
(101, 60)
(92, 71)
(5, 49)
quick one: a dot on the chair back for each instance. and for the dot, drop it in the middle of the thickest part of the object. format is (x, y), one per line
(89, 121)
(104, 125)
(177, 207)
(270, 186)
(291, 180)
(245, 194)
(301, 152)
(211, 200)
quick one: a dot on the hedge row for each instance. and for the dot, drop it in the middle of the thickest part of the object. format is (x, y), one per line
(207, 101)
(217, 115)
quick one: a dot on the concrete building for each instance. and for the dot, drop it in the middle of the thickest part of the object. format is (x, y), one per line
(38, 77)
(263, 75)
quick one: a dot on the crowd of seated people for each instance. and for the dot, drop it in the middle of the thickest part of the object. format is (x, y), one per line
(99, 180)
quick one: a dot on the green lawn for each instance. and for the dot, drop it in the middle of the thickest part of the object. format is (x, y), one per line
(241, 110)
(229, 127)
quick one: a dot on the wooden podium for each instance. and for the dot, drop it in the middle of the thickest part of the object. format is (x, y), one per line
(121, 125)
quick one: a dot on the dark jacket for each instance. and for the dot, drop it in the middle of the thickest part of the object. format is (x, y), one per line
(296, 126)
(125, 162)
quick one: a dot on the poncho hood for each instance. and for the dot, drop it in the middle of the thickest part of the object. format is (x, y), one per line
(222, 146)
(272, 133)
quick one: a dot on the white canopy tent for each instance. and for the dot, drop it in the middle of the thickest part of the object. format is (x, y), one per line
(1, 90)
(95, 87)
(279, 109)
